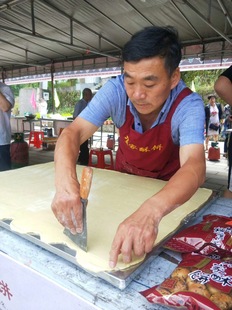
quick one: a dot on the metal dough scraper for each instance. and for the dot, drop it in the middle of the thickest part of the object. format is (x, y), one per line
(81, 238)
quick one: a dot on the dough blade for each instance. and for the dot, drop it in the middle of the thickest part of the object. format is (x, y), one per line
(80, 239)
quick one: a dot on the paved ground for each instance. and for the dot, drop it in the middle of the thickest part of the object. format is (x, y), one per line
(216, 172)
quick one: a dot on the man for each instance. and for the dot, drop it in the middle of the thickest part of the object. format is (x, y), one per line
(161, 128)
(87, 95)
(213, 115)
(223, 87)
(6, 104)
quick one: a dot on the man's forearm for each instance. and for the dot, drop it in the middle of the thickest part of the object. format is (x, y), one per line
(181, 187)
(4, 103)
(223, 88)
(65, 157)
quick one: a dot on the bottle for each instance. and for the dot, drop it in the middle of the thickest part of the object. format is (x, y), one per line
(19, 151)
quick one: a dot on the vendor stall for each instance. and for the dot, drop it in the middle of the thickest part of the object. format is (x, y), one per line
(105, 136)
(33, 243)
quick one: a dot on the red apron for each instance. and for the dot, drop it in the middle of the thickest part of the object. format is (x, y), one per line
(152, 153)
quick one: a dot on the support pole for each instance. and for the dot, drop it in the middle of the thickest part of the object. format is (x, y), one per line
(53, 97)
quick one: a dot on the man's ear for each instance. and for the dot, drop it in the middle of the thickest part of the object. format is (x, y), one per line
(175, 78)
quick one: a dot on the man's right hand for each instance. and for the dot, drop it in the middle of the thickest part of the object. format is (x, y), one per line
(66, 206)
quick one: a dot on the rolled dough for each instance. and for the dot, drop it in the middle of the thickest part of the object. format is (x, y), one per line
(26, 199)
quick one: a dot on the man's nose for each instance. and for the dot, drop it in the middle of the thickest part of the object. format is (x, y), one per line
(139, 93)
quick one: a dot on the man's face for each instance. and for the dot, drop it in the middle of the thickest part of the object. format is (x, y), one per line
(88, 96)
(148, 84)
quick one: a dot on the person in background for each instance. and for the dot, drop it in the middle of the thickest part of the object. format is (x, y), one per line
(223, 87)
(213, 115)
(227, 124)
(6, 104)
(87, 95)
(161, 126)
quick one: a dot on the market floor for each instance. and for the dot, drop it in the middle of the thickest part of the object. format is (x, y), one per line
(216, 171)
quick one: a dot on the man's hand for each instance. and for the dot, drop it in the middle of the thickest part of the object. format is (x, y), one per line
(136, 234)
(66, 206)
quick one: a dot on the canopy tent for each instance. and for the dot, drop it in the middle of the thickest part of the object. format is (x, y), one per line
(40, 37)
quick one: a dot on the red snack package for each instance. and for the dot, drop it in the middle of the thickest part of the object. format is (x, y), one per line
(214, 229)
(197, 283)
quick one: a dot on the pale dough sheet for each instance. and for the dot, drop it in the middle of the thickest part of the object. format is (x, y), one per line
(27, 193)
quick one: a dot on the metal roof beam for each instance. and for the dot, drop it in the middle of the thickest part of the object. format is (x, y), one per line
(16, 46)
(185, 18)
(32, 17)
(47, 24)
(15, 2)
(9, 4)
(21, 63)
(225, 12)
(208, 23)
(138, 12)
(9, 30)
(204, 41)
(107, 17)
(56, 41)
(79, 23)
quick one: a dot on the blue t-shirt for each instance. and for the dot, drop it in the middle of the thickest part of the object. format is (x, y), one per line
(111, 100)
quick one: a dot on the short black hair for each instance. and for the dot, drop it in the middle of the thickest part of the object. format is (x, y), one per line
(86, 91)
(212, 95)
(154, 41)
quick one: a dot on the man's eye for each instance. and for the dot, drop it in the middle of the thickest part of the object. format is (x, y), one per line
(150, 86)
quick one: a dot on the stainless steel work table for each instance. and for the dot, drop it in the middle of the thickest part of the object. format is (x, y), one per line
(94, 290)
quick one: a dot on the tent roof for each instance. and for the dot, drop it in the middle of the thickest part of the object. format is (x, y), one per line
(38, 36)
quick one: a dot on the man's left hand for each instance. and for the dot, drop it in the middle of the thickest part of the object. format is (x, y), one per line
(135, 235)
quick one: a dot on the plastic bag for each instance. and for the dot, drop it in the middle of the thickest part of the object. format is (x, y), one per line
(197, 283)
(214, 229)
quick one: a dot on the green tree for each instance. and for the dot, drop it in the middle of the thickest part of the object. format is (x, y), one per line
(203, 80)
(67, 94)
(16, 88)
(68, 100)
